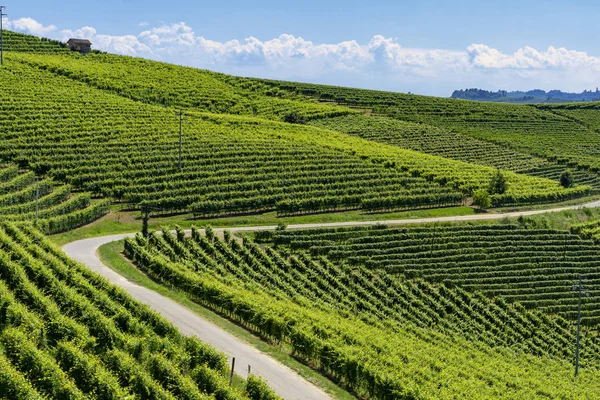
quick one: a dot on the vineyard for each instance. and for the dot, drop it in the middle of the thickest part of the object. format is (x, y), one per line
(170, 85)
(18, 42)
(534, 267)
(428, 312)
(448, 143)
(65, 333)
(53, 208)
(564, 134)
(128, 151)
(359, 325)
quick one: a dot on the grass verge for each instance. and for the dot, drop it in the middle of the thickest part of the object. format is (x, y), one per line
(111, 256)
(129, 221)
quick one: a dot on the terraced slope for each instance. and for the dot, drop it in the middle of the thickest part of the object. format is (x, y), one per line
(20, 42)
(381, 335)
(448, 143)
(175, 86)
(534, 130)
(65, 333)
(536, 268)
(128, 150)
(58, 210)
(586, 114)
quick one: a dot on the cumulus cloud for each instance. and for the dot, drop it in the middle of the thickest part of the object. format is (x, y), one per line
(30, 25)
(381, 63)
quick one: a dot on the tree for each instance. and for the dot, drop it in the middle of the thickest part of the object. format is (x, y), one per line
(482, 199)
(566, 179)
(498, 183)
(294, 118)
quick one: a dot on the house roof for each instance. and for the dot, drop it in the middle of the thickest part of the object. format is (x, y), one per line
(79, 41)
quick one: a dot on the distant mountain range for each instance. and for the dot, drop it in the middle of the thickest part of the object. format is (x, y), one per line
(531, 96)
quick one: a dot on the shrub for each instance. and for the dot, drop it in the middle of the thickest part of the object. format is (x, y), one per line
(482, 199)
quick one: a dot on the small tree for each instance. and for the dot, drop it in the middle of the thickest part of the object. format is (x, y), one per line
(482, 199)
(294, 118)
(498, 183)
(566, 179)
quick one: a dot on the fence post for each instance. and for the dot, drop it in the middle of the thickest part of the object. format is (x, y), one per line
(232, 368)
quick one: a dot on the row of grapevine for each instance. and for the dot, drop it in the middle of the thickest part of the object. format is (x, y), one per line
(535, 267)
(54, 209)
(67, 333)
(373, 332)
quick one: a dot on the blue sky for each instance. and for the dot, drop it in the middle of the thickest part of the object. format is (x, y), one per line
(429, 47)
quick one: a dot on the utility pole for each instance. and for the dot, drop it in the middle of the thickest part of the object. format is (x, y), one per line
(180, 135)
(145, 218)
(2, 15)
(579, 287)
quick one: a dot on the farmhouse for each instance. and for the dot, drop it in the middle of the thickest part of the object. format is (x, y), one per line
(83, 46)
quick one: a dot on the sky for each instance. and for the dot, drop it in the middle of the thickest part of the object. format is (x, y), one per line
(426, 46)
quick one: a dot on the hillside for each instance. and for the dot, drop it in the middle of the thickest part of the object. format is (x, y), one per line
(359, 324)
(99, 136)
(65, 333)
(539, 131)
(53, 207)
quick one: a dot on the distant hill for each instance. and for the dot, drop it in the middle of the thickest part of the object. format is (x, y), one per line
(531, 96)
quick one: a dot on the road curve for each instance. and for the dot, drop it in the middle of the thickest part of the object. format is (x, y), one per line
(287, 383)
(282, 379)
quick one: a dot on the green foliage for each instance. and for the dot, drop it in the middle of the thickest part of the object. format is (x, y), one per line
(498, 183)
(67, 333)
(58, 209)
(366, 327)
(566, 179)
(258, 390)
(482, 199)
(20, 42)
(294, 118)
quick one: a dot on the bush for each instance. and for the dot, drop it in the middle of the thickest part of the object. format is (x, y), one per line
(294, 118)
(566, 179)
(482, 199)
(257, 389)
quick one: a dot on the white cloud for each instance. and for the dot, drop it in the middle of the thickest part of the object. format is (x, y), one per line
(381, 63)
(30, 25)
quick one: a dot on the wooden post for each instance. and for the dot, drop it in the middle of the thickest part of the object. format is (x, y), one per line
(232, 369)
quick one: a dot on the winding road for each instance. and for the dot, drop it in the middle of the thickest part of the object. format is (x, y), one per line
(287, 383)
